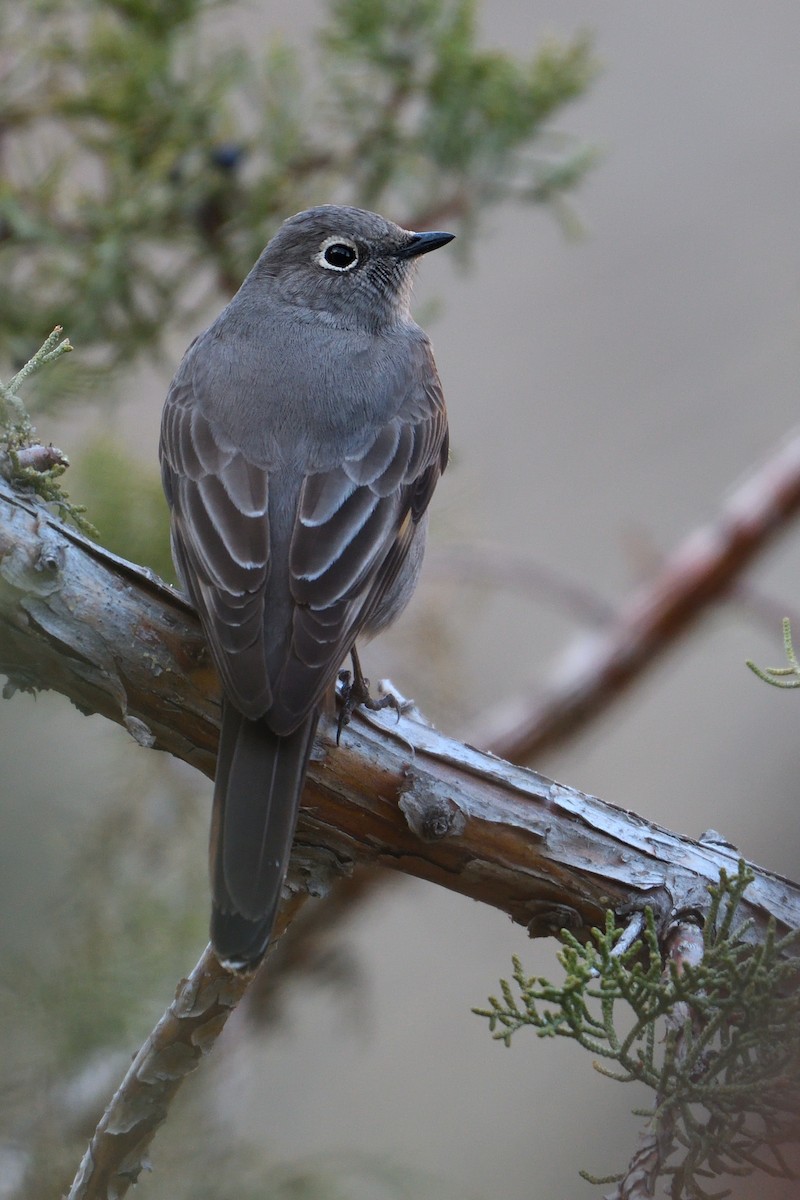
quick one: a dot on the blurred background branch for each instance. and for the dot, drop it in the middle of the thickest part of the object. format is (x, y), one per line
(699, 573)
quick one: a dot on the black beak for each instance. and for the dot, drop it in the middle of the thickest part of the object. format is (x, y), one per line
(422, 243)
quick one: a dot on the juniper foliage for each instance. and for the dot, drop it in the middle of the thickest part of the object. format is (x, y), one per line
(717, 1042)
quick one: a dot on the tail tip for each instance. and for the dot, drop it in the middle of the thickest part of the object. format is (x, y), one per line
(239, 944)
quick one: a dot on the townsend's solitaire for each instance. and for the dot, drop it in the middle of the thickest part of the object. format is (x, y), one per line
(301, 441)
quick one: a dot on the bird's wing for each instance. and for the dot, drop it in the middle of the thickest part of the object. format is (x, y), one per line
(354, 528)
(221, 543)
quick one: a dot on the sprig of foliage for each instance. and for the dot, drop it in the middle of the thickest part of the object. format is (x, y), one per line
(718, 1042)
(26, 465)
(144, 168)
(781, 677)
(14, 417)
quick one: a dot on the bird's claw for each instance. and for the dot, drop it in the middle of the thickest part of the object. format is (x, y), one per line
(354, 692)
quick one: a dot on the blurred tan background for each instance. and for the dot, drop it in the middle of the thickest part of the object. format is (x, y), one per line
(605, 393)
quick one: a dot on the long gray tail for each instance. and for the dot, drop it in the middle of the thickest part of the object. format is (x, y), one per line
(257, 791)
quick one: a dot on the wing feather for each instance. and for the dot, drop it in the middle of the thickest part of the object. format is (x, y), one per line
(332, 541)
(324, 493)
(355, 529)
(383, 451)
(221, 542)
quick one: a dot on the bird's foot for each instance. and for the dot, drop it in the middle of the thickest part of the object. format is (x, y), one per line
(355, 691)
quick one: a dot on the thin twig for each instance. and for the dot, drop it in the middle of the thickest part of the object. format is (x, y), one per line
(182, 1039)
(115, 1156)
(500, 567)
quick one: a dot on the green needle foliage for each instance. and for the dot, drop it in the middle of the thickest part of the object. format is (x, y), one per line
(781, 677)
(13, 415)
(145, 168)
(17, 435)
(717, 1042)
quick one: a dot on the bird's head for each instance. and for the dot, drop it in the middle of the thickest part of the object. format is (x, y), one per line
(351, 266)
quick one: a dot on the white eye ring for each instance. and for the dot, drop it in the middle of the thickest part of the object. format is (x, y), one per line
(327, 260)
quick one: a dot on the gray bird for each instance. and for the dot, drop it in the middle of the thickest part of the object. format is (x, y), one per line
(301, 441)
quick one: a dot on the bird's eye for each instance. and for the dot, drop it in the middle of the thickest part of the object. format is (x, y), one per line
(336, 254)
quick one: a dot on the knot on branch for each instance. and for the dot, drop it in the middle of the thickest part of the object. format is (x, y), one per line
(35, 569)
(314, 870)
(550, 918)
(429, 811)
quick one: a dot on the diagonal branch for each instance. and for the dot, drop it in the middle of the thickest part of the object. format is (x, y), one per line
(117, 641)
(699, 572)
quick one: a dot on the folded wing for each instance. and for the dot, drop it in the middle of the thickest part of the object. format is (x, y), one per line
(221, 542)
(354, 530)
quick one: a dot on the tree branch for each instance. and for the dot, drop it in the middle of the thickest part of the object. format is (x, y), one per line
(115, 640)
